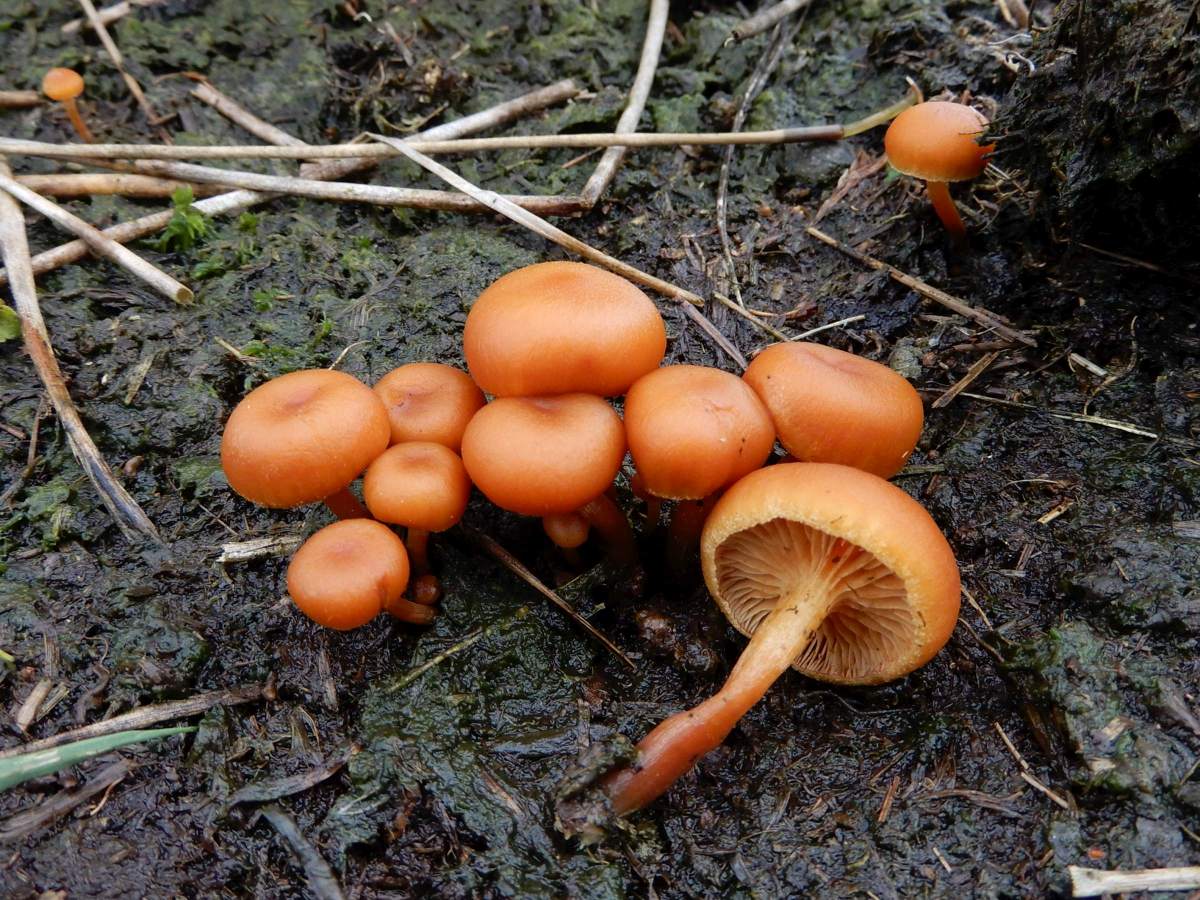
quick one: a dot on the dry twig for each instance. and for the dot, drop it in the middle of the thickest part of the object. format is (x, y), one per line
(124, 184)
(20, 826)
(114, 54)
(98, 242)
(108, 14)
(239, 115)
(765, 19)
(1098, 882)
(14, 246)
(967, 380)
(982, 316)
(19, 99)
(321, 880)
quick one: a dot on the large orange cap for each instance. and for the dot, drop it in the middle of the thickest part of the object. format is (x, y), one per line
(62, 84)
(429, 402)
(301, 437)
(937, 141)
(792, 527)
(693, 430)
(347, 573)
(832, 406)
(543, 455)
(561, 327)
(419, 484)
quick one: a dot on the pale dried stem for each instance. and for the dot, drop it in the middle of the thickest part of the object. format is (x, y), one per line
(108, 14)
(19, 99)
(114, 54)
(98, 242)
(14, 247)
(639, 92)
(237, 201)
(428, 146)
(766, 19)
(1098, 882)
(90, 184)
(239, 115)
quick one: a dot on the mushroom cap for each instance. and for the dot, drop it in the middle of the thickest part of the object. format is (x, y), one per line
(301, 437)
(62, 84)
(775, 530)
(429, 402)
(419, 484)
(347, 573)
(543, 455)
(693, 430)
(832, 406)
(559, 328)
(936, 141)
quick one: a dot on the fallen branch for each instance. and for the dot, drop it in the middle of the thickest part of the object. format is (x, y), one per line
(1102, 421)
(321, 880)
(108, 14)
(145, 716)
(90, 184)
(639, 92)
(967, 380)
(510, 562)
(511, 210)
(110, 47)
(982, 316)
(96, 240)
(237, 201)
(1097, 882)
(20, 826)
(14, 247)
(274, 788)
(259, 548)
(19, 99)
(766, 19)
(242, 117)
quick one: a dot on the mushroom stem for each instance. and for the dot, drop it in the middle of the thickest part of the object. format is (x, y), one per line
(418, 549)
(345, 505)
(77, 122)
(943, 205)
(683, 534)
(675, 744)
(653, 504)
(567, 531)
(606, 518)
(407, 611)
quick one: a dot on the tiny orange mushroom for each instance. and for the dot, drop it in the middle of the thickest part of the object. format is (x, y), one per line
(64, 85)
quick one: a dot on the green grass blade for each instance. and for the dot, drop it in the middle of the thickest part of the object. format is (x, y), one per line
(15, 770)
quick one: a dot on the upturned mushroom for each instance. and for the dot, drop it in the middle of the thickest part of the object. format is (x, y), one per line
(827, 569)
(348, 572)
(832, 406)
(693, 431)
(63, 86)
(423, 486)
(304, 437)
(937, 141)
(552, 457)
(429, 402)
(561, 328)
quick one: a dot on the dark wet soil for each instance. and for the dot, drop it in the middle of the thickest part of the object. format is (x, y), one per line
(1077, 541)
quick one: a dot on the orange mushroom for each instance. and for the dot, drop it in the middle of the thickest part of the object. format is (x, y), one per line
(826, 568)
(423, 486)
(429, 402)
(833, 406)
(552, 456)
(304, 437)
(348, 572)
(560, 328)
(693, 431)
(937, 142)
(64, 85)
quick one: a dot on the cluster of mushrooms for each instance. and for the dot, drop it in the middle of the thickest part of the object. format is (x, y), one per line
(825, 565)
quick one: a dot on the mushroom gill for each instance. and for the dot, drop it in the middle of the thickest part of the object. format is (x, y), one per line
(869, 619)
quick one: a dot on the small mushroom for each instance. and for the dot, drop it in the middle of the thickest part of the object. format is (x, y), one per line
(832, 406)
(560, 328)
(429, 402)
(937, 142)
(64, 85)
(693, 431)
(826, 568)
(348, 572)
(304, 437)
(423, 486)
(552, 456)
